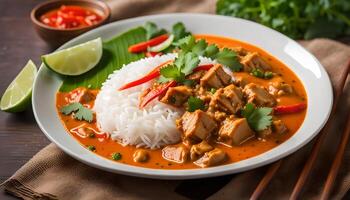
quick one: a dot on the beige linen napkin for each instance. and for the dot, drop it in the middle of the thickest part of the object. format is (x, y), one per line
(51, 174)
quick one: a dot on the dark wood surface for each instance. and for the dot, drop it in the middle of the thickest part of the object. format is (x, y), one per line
(20, 137)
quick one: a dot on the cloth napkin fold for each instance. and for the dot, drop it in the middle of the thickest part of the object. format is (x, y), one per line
(51, 174)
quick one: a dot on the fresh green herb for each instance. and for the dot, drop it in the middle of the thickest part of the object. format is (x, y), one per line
(211, 51)
(229, 58)
(258, 118)
(152, 30)
(179, 31)
(200, 47)
(297, 19)
(116, 156)
(91, 148)
(80, 112)
(260, 74)
(195, 103)
(212, 90)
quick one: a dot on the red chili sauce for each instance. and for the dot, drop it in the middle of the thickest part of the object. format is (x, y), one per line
(67, 17)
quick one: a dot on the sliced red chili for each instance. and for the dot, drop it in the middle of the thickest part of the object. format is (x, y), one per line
(142, 46)
(155, 92)
(203, 67)
(152, 54)
(150, 76)
(278, 110)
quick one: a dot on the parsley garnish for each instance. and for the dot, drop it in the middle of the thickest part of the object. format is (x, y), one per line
(80, 112)
(152, 30)
(195, 103)
(258, 118)
(179, 31)
(116, 156)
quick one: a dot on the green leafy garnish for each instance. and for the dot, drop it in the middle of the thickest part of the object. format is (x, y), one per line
(258, 118)
(116, 156)
(260, 74)
(297, 19)
(80, 112)
(195, 103)
(200, 47)
(152, 30)
(212, 90)
(91, 148)
(211, 51)
(229, 58)
(179, 31)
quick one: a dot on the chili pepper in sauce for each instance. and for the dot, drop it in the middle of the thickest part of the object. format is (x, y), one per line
(151, 94)
(142, 46)
(278, 110)
(67, 17)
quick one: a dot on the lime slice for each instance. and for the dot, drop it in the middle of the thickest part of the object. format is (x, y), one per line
(75, 60)
(18, 94)
(162, 46)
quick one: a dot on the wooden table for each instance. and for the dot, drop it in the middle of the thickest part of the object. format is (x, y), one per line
(20, 137)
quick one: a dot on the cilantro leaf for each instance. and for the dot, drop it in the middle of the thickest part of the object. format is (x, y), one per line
(191, 61)
(194, 104)
(186, 43)
(211, 51)
(68, 109)
(258, 118)
(80, 112)
(229, 58)
(179, 31)
(200, 47)
(171, 72)
(152, 30)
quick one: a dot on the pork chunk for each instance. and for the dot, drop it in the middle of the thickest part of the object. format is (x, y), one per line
(228, 99)
(140, 155)
(235, 131)
(254, 61)
(80, 95)
(199, 149)
(265, 133)
(216, 77)
(279, 127)
(280, 88)
(176, 153)
(258, 95)
(196, 126)
(212, 158)
(177, 96)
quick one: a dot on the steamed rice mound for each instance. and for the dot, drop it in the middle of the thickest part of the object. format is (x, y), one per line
(118, 113)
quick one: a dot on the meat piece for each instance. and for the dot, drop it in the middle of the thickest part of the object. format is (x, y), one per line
(176, 153)
(265, 133)
(80, 95)
(240, 51)
(228, 99)
(177, 96)
(212, 158)
(235, 131)
(216, 77)
(196, 126)
(280, 88)
(198, 150)
(252, 61)
(196, 76)
(141, 155)
(241, 81)
(279, 127)
(258, 95)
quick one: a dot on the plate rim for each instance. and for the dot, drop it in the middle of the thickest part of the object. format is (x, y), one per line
(183, 173)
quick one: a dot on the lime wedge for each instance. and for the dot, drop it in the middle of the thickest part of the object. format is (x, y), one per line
(75, 60)
(18, 94)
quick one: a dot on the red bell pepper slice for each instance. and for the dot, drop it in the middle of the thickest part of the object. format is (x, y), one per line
(278, 110)
(203, 67)
(150, 76)
(152, 54)
(155, 92)
(142, 46)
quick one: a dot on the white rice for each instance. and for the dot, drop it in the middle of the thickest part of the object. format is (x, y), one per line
(118, 112)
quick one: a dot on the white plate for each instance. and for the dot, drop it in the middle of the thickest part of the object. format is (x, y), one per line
(306, 66)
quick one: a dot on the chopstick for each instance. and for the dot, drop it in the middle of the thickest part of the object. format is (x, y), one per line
(266, 180)
(332, 175)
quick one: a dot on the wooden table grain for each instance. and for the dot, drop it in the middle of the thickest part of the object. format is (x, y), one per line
(20, 137)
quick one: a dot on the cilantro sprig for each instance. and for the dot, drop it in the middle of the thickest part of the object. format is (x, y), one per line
(258, 118)
(195, 103)
(152, 30)
(80, 112)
